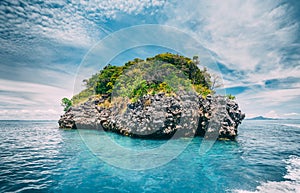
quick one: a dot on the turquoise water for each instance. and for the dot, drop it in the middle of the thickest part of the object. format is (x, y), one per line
(35, 156)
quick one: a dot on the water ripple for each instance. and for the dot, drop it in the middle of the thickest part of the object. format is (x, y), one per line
(38, 157)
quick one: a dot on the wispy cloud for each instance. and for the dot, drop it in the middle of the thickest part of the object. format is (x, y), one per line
(57, 21)
(30, 114)
(291, 114)
(272, 114)
(23, 100)
(78, 23)
(43, 43)
(261, 101)
(256, 43)
(250, 36)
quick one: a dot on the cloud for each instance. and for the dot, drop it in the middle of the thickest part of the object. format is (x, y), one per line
(36, 114)
(270, 97)
(249, 36)
(272, 114)
(23, 100)
(259, 101)
(283, 83)
(77, 23)
(256, 44)
(291, 114)
(56, 21)
(43, 43)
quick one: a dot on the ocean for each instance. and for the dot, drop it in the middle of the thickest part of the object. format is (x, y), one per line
(36, 156)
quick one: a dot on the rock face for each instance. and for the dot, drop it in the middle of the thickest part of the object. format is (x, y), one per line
(159, 117)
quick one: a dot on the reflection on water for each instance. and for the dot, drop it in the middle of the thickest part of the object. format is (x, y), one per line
(36, 156)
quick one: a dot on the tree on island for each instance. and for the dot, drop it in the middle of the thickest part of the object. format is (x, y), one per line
(66, 103)
(105, 81)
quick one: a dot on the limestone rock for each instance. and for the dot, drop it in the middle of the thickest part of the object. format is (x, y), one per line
(159, 116)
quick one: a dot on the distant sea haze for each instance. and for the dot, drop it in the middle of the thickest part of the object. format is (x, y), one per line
(269, 118)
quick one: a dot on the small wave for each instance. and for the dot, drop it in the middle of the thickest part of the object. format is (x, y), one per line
(290, 185)
(292, 125)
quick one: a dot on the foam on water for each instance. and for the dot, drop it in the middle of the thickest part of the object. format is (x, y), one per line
(291, 184)
(292, 125)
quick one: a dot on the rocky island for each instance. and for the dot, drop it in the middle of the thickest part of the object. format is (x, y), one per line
(166, 96)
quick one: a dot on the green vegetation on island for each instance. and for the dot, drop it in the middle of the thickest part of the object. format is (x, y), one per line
(66, 103)
(230, 96)
(139, 77)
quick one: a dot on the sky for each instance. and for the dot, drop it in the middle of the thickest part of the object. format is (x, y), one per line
(48, 47)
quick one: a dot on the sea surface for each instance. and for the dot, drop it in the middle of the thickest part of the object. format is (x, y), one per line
(36, 156)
